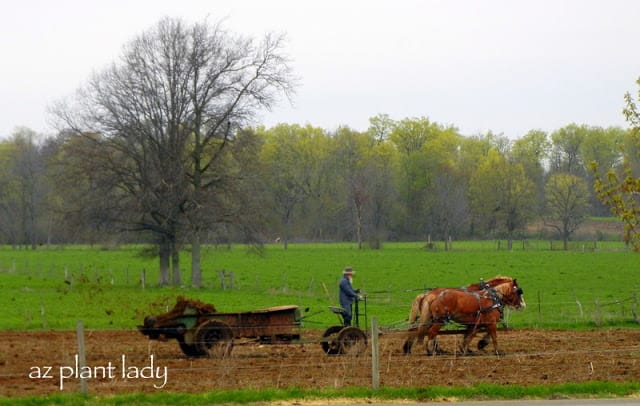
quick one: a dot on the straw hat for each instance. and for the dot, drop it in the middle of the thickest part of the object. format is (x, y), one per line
(348, 271)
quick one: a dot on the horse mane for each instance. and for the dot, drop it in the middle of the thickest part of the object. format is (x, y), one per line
(502, 284)
(493, 282)
(499, 280)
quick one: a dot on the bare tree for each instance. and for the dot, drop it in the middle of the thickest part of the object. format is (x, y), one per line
(164, 116)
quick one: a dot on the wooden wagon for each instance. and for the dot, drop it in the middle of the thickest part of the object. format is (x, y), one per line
(201, 331)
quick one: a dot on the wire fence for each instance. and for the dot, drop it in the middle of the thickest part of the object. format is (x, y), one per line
(561, 308)
(121, 361)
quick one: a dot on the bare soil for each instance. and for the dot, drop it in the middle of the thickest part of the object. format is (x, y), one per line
(32, 363)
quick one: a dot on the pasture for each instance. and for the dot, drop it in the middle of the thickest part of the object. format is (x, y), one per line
(47, 291)
(53, 288)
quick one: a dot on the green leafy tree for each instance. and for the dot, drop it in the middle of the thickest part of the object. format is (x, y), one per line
(501, 195)
(9, 210)
(567, 204)
(532, 151)
(22, 188)
(292, 158)
(380, 164)
(380, 127)
(364, 172)
(424, 148)
(566, 147)
(350, 156)
(620, 190)
(604, 147)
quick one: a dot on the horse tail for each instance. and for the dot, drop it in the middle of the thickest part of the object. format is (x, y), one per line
(420, 313)
(415, 309)
(425, 311)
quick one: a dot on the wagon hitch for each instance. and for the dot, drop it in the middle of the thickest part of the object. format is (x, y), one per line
(307, 316)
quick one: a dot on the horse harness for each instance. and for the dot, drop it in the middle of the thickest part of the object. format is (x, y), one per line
(479, 295)
(497, 302)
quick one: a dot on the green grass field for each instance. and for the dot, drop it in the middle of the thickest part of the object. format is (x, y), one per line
(586, 287)
(53, 288)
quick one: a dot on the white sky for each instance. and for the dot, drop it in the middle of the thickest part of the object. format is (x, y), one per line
(505, 66)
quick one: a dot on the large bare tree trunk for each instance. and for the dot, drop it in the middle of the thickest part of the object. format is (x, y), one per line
(175, 264)
(164, 254)
(196, 272)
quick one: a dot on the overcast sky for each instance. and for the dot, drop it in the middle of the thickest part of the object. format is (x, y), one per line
(505, 66)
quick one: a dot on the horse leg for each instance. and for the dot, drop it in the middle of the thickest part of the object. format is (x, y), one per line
(408, 343)
(468, 336)
(422, 329)
(412, 337)
(432, 344)
(484, 341)
(492, 331)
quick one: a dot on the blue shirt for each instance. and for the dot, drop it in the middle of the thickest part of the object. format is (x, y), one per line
(347, 293)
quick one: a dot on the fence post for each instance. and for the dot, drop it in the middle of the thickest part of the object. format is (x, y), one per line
(310, 290)
(539, 306)
(82, 360)
(43, 320)
(375, 355)
(578, 303)
(224, 275)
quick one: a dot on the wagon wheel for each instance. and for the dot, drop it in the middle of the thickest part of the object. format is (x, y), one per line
(331, 347)
(213, 339)
(189, 350)
(352, 341)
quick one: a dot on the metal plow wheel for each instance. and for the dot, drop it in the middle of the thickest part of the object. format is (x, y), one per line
(329, 343)
(213, 339)
(189, 350)
(352, 341)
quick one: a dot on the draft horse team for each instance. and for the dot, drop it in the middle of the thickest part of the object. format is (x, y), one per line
(477, 307)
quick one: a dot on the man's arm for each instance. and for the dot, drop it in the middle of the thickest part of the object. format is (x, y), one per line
(348, 289)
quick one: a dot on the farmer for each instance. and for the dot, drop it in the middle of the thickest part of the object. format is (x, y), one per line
(347, 294)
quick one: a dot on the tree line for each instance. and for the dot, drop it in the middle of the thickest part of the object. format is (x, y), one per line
(160, 148)
(413, 179)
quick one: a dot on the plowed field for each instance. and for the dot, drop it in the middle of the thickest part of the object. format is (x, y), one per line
(38, 363)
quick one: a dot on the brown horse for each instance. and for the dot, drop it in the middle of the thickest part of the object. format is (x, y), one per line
(420, 304)
(478, 307)
(420, 308)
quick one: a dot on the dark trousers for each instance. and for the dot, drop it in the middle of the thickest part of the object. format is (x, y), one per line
(347, 316)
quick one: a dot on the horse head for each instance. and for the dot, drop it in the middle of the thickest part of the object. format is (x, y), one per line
(511, 294)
